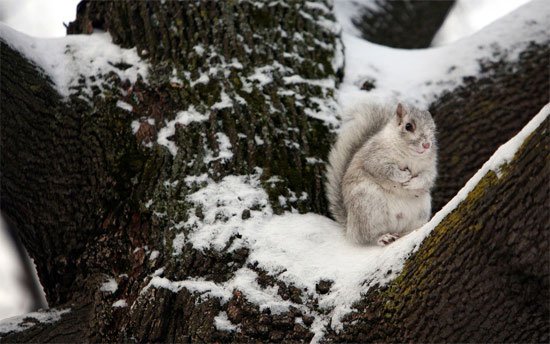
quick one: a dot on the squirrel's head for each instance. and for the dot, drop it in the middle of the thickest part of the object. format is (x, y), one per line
(416, 129)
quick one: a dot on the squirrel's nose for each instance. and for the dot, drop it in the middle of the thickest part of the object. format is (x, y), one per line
(426, 145)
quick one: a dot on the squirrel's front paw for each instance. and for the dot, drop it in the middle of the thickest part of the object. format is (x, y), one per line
(387, 239)
(402, 176)
(414, 184)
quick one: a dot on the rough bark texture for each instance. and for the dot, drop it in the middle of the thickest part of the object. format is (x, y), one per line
(67, 179)
(407, 24)
(474, 119)
(77, 183)
(120, 175)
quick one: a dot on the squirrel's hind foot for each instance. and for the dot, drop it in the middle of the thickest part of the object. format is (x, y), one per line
(387, 239)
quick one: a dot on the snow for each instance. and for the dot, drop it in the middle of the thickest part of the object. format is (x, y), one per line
(110, 286)
(418, 76)
(224, 146)
(222, 323)
(154, 255)
(193, 285)
(25, 321)
(199, 49)
(258, 140)
(124, 106)
(202, 79)
(244, 280)
(262, 75)
(318, 6)
(222, 205)
(346, 11)
(120, 303)
(135, 126)
(37, 17)
(225, 102)
(339, 58)
(469, 16)
(324, 110)
(298, 79)
(158, 272)
(183, 118)
(66, 59)
(190, 180)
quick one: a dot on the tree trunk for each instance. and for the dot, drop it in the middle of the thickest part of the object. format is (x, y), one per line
(90, 200)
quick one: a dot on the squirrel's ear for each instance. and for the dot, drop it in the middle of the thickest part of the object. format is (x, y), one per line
(400, 111)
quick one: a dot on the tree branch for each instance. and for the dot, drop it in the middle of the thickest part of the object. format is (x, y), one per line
(406, 24)
(474, 119)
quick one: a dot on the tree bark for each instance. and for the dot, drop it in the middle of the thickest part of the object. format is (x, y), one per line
(90, 200)
(100, 224)
(406, 24)
(474, 119)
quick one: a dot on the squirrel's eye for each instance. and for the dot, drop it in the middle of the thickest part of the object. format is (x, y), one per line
(409, 127)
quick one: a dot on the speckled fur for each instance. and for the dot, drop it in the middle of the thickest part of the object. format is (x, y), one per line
(378, 184)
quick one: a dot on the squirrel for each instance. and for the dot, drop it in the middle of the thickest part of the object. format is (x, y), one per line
(380, 172)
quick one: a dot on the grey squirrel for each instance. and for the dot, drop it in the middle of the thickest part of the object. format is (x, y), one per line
(380, 172)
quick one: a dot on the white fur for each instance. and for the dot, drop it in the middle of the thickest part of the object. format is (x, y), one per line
(363, 121)
(377, 183)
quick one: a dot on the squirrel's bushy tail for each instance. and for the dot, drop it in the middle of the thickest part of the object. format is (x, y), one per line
(360, 122)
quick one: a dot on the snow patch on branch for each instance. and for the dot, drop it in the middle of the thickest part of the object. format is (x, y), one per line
(225, 102)
(110, 286)
(182, 118)
(69, 60)
(228, 208)
(420, 75)
(224, 146)
(26, 321)
(124, 106)
(348, 11)
(222, 323)
(298, 79)
(193, 285)
(120, 303)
